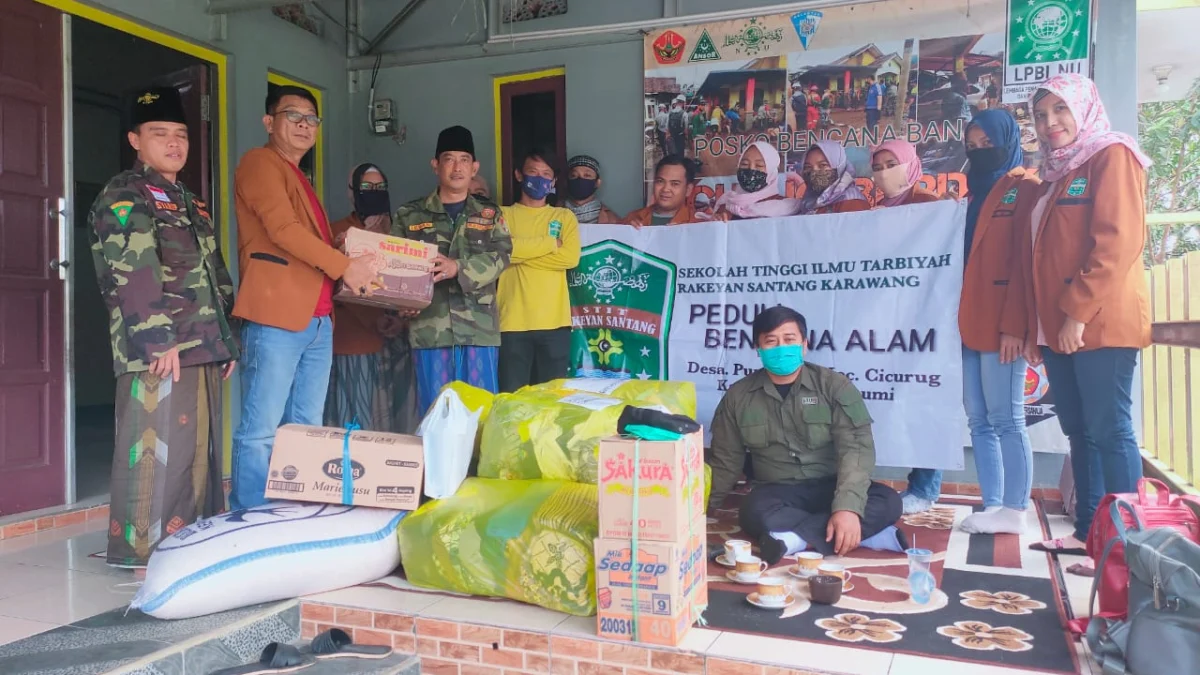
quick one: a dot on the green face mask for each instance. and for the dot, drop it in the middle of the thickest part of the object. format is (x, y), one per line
(648, 433)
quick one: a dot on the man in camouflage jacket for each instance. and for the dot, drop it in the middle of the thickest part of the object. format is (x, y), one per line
(807, 433)
(168, 295)
(457, 337)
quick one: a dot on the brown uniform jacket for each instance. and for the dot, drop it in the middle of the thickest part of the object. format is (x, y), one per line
(844, 206)
(281, 253)
(1086, 259)
(993, 293)
(686, 214)
(354, 329)
(919, 195)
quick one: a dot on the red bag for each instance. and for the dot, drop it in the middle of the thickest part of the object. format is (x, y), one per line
(1162, 509)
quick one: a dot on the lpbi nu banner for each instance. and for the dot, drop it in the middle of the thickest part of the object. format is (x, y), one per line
(880, 290)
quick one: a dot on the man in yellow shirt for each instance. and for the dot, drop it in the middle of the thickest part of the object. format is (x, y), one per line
(535, 308)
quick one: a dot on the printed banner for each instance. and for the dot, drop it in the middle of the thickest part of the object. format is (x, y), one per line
(1045, 38)
(917, 70)
(879, 289)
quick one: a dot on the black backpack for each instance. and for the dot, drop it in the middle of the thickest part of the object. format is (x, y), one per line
(675, 122)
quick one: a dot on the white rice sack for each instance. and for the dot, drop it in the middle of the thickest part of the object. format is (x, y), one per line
(271, 552)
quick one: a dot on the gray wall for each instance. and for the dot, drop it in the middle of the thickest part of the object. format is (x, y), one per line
(258, 40)
(604, 84)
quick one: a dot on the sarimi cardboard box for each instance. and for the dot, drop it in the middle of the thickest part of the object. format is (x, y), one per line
(672, 583)
(403, 270)
(670, 485)
(308, 465)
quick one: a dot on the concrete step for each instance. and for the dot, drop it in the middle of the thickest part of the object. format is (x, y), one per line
(121, 643)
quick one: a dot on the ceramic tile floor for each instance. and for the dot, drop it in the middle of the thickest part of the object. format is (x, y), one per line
(49, 579)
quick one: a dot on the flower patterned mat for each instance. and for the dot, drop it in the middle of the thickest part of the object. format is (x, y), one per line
(996, 602)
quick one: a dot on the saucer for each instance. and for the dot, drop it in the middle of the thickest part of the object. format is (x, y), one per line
(753, 599)
(732, 576)
(801, 572)
(846, 588)
(723, 560)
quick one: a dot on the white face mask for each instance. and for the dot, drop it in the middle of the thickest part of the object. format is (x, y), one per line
(894, 181)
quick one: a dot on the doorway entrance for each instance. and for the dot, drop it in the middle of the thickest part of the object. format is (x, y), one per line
(63, 139)
(531, 112)
(107, 68)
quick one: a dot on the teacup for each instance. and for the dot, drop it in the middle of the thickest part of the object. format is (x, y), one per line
(736, 548)
(836, 570)
(749, 567)
(825, 589)
(772, 591)
(808, 562)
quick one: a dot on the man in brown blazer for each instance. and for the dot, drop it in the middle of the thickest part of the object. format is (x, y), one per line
(288, 265)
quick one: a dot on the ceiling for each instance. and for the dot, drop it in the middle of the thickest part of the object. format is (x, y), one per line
(1168, 38)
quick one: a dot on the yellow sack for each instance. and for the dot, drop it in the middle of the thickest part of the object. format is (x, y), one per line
(525, 540)
(552, 431)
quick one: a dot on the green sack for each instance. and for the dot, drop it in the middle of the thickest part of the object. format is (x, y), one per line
(526, 540)
(553, 430)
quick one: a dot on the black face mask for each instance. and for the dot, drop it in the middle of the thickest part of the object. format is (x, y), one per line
(752, 180)
(986, 160)
(581, 188)
(369, 203)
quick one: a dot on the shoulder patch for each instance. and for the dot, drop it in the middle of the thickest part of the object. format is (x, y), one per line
(420, 226)
(122, 210)
(488, 212)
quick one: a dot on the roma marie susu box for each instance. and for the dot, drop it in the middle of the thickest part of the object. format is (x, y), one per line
(308, 465)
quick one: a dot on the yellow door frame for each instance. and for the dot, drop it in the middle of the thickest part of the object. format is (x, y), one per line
(497, 82)
(223, 160)
(277, 78)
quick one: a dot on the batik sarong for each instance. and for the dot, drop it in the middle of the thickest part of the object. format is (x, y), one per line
(166, 470)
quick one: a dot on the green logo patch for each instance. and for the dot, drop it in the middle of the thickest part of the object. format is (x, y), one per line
(621, 306)
(705, 49)
(1077, 187)
(122, 210)
(1009, 197)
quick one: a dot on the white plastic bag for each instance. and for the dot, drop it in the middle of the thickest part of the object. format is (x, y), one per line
(448, 436)
(271, 552)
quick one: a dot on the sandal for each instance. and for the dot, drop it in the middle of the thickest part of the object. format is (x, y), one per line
(276, 658)
(1056, 547)
(336, 643)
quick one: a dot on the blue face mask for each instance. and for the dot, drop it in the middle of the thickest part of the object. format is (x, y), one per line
(537, 187)
(782, 360)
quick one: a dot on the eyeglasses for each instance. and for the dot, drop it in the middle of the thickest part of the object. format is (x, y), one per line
(368, 187)
(298, 117)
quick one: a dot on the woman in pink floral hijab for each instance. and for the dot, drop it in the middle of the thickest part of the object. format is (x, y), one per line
(1087, 290)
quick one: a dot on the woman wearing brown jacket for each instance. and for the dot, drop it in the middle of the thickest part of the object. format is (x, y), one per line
(1087, 290)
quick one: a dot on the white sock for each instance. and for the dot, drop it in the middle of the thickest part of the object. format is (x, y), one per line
(1002, 521)
(914, 504)
(791, 540)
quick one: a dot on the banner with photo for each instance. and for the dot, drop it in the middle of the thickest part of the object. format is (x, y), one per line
(879, 290)
(860, 74)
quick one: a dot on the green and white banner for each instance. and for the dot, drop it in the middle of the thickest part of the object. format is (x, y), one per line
(880, 291)
(1045, 38)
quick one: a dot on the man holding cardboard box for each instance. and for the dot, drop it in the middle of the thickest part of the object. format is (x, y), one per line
(288, 266)
(808, 434)
(457, 337)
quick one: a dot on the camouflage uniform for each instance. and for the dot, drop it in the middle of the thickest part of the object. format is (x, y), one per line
(457, 336)
(812, 453)
(165, 284)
